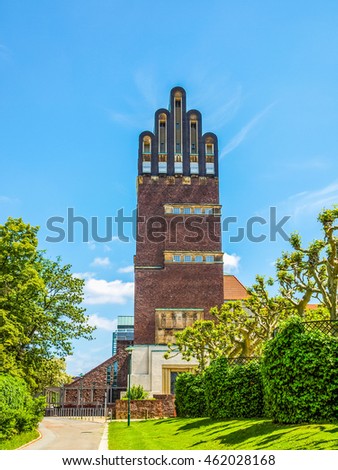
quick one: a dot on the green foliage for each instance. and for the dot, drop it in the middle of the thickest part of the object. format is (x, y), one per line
(190, 399)
(239, 329)
(19, 412)
(137, 392)
(204, 341)
(300, 375)
(313, 271)
(40, 305)
(233, 391)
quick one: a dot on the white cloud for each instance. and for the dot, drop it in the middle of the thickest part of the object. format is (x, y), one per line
(101, 262)
(242, 134)
(231, 262)
(102, 323)
(126, 269)
(100, 291)
(309, 202)
(85, 275)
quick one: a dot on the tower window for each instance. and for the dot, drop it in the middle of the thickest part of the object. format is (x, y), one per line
(178, 124)
(187, 210)
(163, 133)
(198, 259)
(146, 154)
(193, 136)
(198, 210)
(209, 149)
(146, 145)
(177, 258)
(177, 210)
(209, 258)
(187, 258)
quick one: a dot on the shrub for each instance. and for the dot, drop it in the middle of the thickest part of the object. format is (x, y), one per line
(137, 392)
(234, 391)
(189, 395)
(19, 411)
(300, 375)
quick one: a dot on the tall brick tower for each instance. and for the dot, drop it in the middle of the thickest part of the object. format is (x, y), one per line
(179, 260)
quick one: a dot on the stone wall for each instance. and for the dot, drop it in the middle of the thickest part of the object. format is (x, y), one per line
(163, 406)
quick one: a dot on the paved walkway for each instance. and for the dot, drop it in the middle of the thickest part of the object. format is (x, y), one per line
(70, 434)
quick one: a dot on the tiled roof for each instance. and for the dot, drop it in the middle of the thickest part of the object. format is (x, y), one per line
(233, 289)
(312, 306)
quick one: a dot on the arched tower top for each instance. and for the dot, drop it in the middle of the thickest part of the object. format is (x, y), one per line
(178, 147)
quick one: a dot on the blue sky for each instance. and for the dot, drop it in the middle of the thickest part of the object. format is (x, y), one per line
(79, 80)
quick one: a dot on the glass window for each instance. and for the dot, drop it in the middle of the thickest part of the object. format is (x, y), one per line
(176, 258)
(209, 258)
(187, 210)
(177, 210)
(198, 210)
(146, 144)
(209, 210)
(187, 259)
(198, 259)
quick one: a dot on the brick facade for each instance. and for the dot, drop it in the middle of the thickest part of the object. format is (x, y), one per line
(164, 233)
(90, 390)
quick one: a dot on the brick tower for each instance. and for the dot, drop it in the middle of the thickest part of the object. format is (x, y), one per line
(179, 260)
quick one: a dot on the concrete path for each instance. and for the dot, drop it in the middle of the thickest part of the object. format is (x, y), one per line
(70, 434)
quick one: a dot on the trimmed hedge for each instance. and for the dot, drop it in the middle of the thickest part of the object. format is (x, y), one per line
(233, 392)
(300, 375)
(189, 396)
(19, 412)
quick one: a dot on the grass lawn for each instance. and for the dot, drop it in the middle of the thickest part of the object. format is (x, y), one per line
(208, 434)
(19, 440)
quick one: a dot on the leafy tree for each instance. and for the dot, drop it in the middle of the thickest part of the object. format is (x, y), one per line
(52, 373)
(40, 304)
(204, 341)
(239, 328)
(312, 272)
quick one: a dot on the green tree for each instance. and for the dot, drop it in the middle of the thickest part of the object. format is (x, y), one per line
(312, 272)
(40, 304)
(238, 329)
(52, 373)
(204, 341)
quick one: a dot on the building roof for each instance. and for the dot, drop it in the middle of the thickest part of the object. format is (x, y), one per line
(312, 306)
(233, 288)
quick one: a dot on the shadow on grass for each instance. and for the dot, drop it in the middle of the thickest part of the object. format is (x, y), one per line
(265, 431)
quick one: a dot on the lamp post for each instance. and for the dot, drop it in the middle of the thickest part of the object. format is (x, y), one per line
(129, 350)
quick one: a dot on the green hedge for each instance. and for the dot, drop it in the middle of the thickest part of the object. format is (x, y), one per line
(189, 396)
(300, 375)
(233, 392)
(19, 412)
